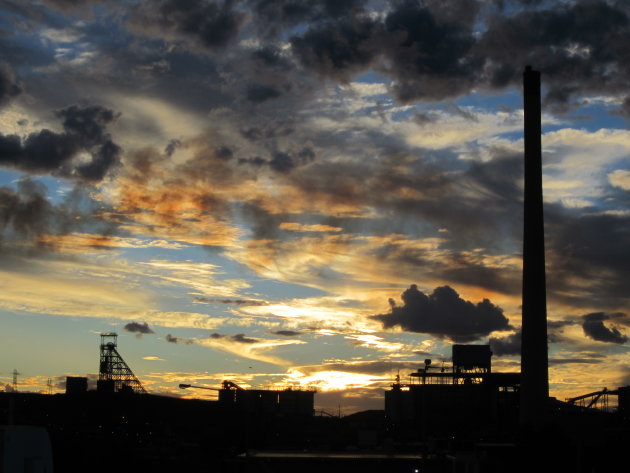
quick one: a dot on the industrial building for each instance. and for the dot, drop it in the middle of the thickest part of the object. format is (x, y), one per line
(289, 402)
(466, 396)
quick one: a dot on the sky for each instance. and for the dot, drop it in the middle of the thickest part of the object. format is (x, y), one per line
(307, 193)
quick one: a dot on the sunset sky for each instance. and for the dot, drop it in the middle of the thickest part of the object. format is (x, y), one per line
(307, 193)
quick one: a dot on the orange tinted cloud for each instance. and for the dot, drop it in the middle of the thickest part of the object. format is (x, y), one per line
(298, 227)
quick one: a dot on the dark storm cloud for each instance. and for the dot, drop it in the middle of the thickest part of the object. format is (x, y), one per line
(338, 49)
(271, 56)
(273, 15)
(383, 182)
(9, 85)
(555, 330)
(117, 60)
(479, 205)
(462, 269)
(26, 215)
(238, 338)
(263, 224)
(210, 23)
(420, 43)
(430, 49)
(434, 50)
(575, 45)
(510, 345)
(428, 55)
(172, 339)
(261, 93)
(171, 147)
(444, 314)
(87, 123)
(73, 5)
(48, 152)
(224, 153)
(25, 212)
(422, 186)
(139, 328)
(282, 162)
(287, 333)
(624, 109)
(590, 246)
(594, 327)
(425, 47)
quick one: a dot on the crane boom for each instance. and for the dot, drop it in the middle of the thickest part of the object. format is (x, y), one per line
(185, 386)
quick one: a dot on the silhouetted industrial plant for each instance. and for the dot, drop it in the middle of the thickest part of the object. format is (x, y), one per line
(461, 417)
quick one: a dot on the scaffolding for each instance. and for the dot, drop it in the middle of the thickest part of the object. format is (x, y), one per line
(114, 374)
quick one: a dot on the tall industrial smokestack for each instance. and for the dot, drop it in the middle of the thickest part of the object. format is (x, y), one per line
(534, 365)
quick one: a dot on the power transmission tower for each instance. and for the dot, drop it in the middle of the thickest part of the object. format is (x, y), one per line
(114, 369)
(15, 380)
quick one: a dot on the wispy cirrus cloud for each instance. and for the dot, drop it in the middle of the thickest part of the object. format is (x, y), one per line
(241, 346)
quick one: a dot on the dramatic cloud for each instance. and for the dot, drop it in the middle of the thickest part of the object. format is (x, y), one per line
(444, 314)
(585, 253)
(212, 24)
(574, 44)
(71, 5)
(594, 327)
(428, 54)
(556, 330)
(510, 345)
(9, 86)
(139, 328)
(25, 212)
(432, 49)
(238, 338)
(287, 333)
(287, 163)
(62, 154)
(172, 339)
(338, 49)
(261, 93)
(28, 217)
(273, 15)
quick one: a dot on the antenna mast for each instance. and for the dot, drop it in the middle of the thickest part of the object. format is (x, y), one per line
(15, 380)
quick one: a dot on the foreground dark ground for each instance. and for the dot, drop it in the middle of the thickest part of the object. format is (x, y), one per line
(98, 432)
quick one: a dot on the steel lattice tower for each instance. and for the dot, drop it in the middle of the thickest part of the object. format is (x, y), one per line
(114, 369)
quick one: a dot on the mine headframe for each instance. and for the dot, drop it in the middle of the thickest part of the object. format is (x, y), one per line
(114, 374)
